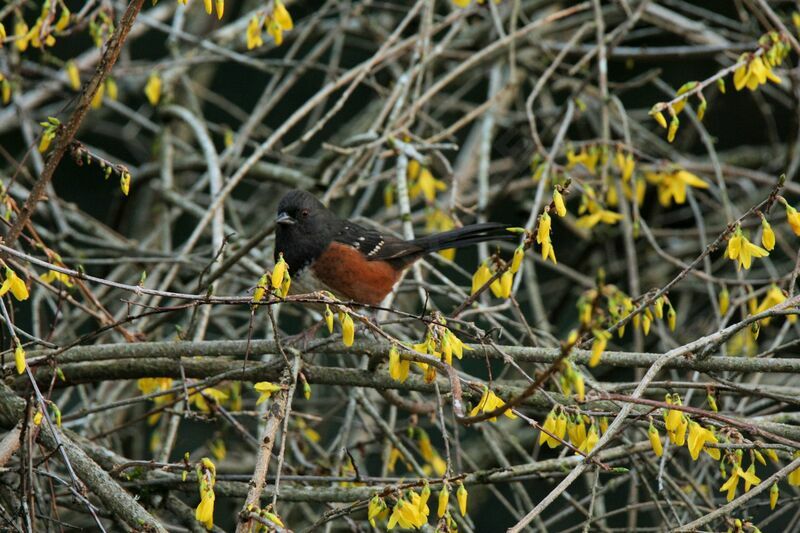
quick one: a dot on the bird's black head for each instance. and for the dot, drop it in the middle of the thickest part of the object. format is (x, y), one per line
(304, 229)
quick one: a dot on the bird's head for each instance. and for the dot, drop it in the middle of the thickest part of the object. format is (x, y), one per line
(304, 227)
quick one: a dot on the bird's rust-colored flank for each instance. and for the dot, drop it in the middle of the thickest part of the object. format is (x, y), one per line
(356, 278)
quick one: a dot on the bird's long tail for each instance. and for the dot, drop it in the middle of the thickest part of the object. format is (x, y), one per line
(460, 237)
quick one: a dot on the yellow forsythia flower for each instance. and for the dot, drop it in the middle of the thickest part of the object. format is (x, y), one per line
(348, 329)
(558, 201)
(206, 473)
(673, 128)
(794, 476)
(199, 398)
(52, 276)
(489, 402)
(376, 508)
(152, 88)
(461, 496)
(774, 493)
(274, 30)
(220, 5)
(598, 346)
(742, 250)
(591, 440)
(97, 99)
(37, 418)
(282, 16)
(22, 35)
(659, 117)
(516, 262)
(426, 185)
(753, 73)
(253, 33)
(481, 276)
(586, 157)
(506, 282)
(47, 137)
(63, 20)
(444, 498)
(655, 440)
(19, 358)
(767, 235)
(5, 91)
(793, 218)
(543, 238)
(125, 183)
(672, 318)
(724, 300)
(265, 388)
(406, 515)
(551, 427)
(217, 448)
(15, 284)
(279, 271)
(625, 164)
(209, 6)
(73, 75)
(261, 290)
(111, 88)
(701, 108)
(398, 368)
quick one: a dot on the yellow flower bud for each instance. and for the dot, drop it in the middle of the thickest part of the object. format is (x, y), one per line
(516, 262)
(278, 272)
(261, 289)
(701, 109)
(444, 497)
(506, 282)
(348, 330)
(19, 358)
(767, 235)
(598, 345)
(774, 492)
(724, 300)
(558, 201)
(659, 116)
(461, 496)
(673, 128)
(481, 276)
(153, 88)
(111, 88)
(97, 99)
(281, 16)
(73, 75)
(125, 183)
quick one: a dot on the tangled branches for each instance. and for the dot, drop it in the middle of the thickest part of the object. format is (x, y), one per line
(630, 356)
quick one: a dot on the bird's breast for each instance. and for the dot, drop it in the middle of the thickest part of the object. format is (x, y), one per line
(347, 273)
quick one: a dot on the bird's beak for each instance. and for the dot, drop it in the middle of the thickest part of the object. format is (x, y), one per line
(284, 218)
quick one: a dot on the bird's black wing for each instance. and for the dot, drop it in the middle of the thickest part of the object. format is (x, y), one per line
(376, 246)
(372, 243)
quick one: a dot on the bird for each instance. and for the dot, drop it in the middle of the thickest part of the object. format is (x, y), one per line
(356, 263)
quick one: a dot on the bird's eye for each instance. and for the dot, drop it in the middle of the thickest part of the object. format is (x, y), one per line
(304, 213)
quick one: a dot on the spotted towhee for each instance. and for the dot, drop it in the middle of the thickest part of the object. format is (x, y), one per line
(324, 252)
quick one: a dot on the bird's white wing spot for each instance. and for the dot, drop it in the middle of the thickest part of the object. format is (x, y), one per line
(376, 249)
